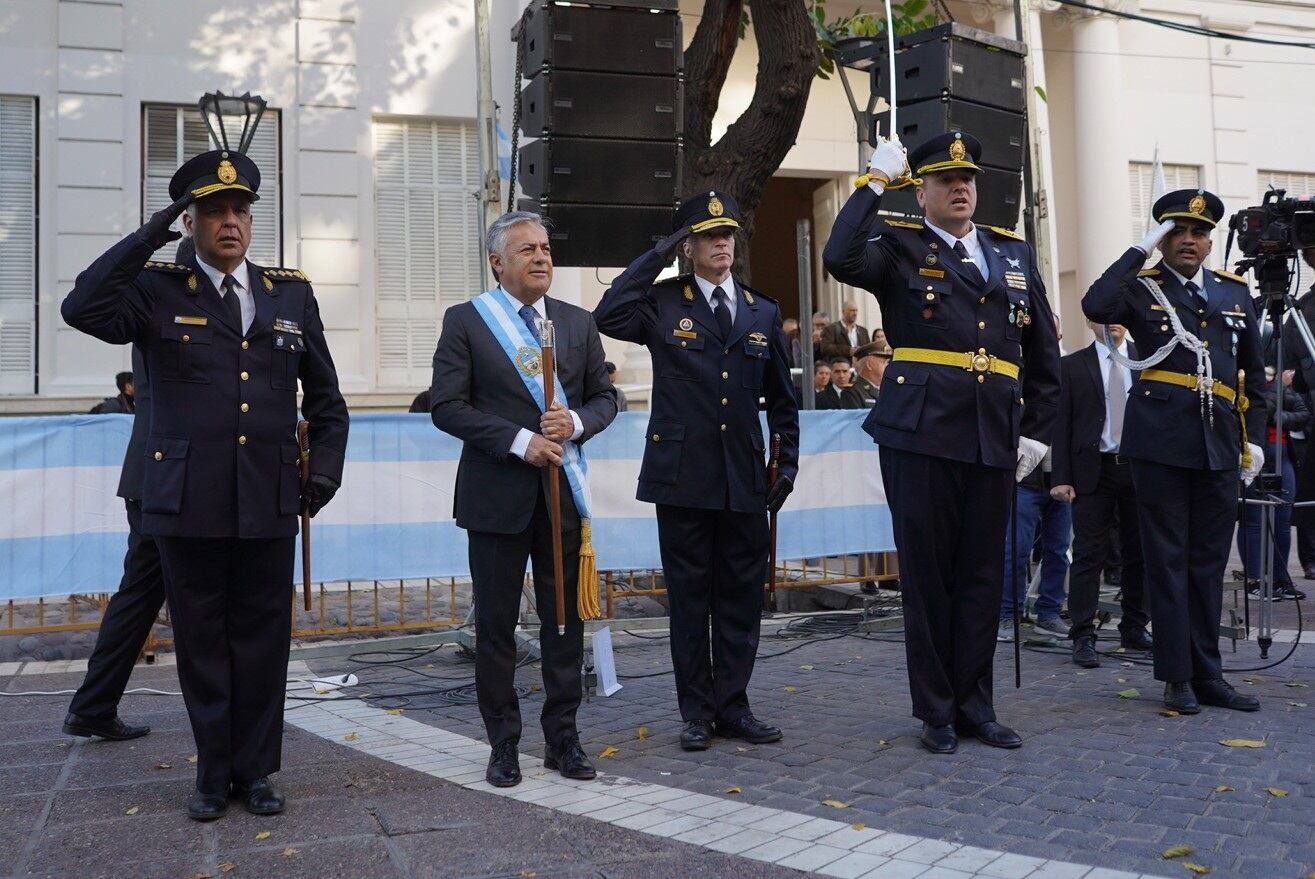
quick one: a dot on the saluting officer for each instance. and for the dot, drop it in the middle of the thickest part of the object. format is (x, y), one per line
(224, 343)
(966, 311)
(717, 347)
(1184, 436)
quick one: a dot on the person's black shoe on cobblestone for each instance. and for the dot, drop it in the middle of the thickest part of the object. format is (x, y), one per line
(1308, 572)
(1084, 652)
(749, 728)
(207, 807)
(258, 796)
(1138, 640)
(570, 760)
(939, 739)
(504, 767)
(112, 729)
(997, 735)
(1219, 693)
(1291, 592)
(1178, 696)
(696, 735)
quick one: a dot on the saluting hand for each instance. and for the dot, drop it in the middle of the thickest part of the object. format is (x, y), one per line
(156, 231)
(557, 424)
(541, 452)
(668, 245)
(1155, 236)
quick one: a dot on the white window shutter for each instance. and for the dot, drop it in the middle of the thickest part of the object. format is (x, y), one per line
(1140, 181)
(176, 134)
(18, 211)
(1294, 183)
(427, 226)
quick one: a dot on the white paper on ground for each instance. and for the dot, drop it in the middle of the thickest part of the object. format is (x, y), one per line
(604, 664)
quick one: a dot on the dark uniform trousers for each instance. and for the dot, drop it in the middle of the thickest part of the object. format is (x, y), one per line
(127, 620)
(497, 567)
(1092, 514)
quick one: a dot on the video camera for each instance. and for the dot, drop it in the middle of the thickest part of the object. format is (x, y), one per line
(1279, 227)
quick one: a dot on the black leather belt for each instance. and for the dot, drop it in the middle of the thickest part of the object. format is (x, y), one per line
(1114, 457)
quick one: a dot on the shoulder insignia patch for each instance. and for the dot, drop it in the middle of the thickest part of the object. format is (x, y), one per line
(1148, 273)
(286, 275)
(173, 267)
(903, 224)
(1008, 233)
(1229, 275)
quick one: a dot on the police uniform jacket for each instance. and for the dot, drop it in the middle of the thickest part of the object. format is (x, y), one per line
(221, 455)
(1163, 422)
(928, 302)
(704, 446)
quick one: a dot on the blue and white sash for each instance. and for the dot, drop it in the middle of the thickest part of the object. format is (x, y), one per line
(502, 317)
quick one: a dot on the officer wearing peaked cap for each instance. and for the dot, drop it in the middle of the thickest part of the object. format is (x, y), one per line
(717, 347)
(967, 406)
(1187, 438)
(225, 343)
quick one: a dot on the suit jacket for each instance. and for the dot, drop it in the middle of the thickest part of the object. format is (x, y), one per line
(705, 444)
(848, 398)
(221, 450)
(835, 341)
(1076, 450)
(929, 301)
(1164, 422)
(478, 397)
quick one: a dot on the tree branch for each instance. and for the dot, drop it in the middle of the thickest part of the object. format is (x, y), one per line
(707, 63)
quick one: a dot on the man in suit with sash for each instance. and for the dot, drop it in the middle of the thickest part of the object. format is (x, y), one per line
(509, 442)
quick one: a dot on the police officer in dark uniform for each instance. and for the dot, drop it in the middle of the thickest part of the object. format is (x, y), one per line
(967, 407)
(1184, 438)
(225, 343)
(717, 347)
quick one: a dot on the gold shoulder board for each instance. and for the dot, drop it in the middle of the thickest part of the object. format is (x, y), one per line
(166, 267)
(902, 224)
(1148, 273)
(287, 275)
(1008, 233)
(1230, 276)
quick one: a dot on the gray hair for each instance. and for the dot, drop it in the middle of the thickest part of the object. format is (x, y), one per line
(495, 239)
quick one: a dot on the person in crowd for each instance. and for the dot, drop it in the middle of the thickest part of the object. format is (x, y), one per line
(1047, 523)
(845, 336)
(840, 393)
(821, 377)
(622, 404)
(123, 404)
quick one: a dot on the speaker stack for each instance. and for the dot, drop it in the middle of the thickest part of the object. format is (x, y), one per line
(956, 77)
(604, 99)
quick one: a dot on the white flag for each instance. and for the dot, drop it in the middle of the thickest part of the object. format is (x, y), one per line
(1158, 186)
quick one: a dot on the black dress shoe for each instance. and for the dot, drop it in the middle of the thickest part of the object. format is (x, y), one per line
(258, 796)
(749, 728)
(696, 735)
(1220, 694)
(1084, 652)
(109, 728)
(1178, 696)
(997, 735)
(939, 739)
(570, 760)
(1136, 640)
(207, 807)
(1308, 572)
(504, 767)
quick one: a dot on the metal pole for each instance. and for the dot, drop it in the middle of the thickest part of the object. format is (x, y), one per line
(490, 191)
(1036, 206)
(804, 251)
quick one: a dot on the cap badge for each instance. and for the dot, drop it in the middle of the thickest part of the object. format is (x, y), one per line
(1196, 205)
(227, 173)
(715, 207)
(957, 150)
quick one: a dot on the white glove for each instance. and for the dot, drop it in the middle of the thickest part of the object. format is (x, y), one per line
(1257, 461)
(889, 161)
(1030, 453)
(1155, 236)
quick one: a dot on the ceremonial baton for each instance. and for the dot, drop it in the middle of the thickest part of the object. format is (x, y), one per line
(773, 472)
(1013, 585)
(890, 57)
(303, 461)
(554, 483)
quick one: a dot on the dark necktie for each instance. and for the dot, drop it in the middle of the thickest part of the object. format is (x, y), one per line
(529, 315)
(722, 311)
(230, 299)
(1191, 287)
(969, 267)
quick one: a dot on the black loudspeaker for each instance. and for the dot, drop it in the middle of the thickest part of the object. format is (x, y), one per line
(955, 60)
(998, 198)
(1002, 133)
(618, 40)
(600, 234)
(592, 170)
(573, 103)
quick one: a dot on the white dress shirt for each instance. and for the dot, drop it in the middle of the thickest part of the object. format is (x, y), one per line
(971, 242)
(852, 333)
(242, 275)
(521, 444)
(728, 288)
(1198, 279)
(1109, 443)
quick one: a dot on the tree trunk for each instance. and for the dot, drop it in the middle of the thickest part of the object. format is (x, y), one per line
(743, 160)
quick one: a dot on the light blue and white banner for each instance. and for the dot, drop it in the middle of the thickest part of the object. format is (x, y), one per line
(63, 531)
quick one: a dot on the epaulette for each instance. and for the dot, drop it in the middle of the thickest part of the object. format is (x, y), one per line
(751, 291)
(287, 275)
(902, 224)
(1008, 233)
(1229, 275)
(168, 267)
(1148, 273)
(678, 279)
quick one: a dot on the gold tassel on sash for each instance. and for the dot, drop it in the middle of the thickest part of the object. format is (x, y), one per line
(587, 584)
(1243, 404)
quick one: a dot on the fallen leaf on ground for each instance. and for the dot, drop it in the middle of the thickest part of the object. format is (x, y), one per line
(1082, 674)
(858, 826)
(734, 790)
(1178, 851)
(1295, 684)
(610, 751)
(527, 874)
(350, 737)
(1198, 869)
(1242, 743)
(882, 743)
(1223, 789)
(191, 759)
(1297, 704)
(641, 733)
(163, 766)
(1120, 680)
(1277, 791)
(201, 876)
(393, 711)
(227, 867)
(133, 811)
(289, 852)
(792, 689)
(806, 667)
(1168, 712)
(1130, 693)
(263, 835)
(835, 804)
(1119, 650)
(741, 750)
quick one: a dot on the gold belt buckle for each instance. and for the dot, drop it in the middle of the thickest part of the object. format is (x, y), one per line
(980, 362)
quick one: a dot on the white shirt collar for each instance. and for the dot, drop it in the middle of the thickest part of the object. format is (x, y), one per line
(1104, 350)
(242, 275)
(538, 305)
(707, 287)
(969, 241)
(1198, 279)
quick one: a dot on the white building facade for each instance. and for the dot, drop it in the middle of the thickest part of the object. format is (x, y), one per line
(370, 160)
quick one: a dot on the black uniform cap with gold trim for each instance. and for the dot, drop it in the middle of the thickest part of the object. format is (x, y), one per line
(215, 171)
(944, 152)
(707, 210)
(1189, 204)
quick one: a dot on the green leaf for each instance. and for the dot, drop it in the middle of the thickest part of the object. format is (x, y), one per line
(912, 7)
(1130, 693)
(1041, 93)
(1178, 851)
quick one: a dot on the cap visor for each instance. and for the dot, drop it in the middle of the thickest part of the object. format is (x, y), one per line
(211, 189)
(1185, 215)
(713, 224)
(947, 166)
